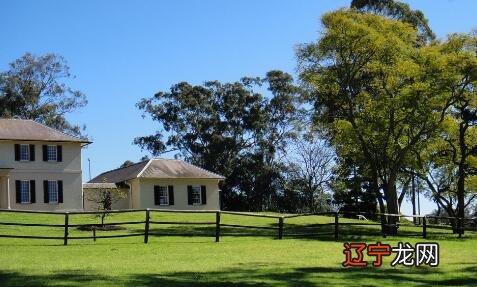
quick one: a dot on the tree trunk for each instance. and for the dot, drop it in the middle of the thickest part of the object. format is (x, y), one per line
(382, 206)
(451, 213)
(461, 173)
(392, 206)
(460, 197)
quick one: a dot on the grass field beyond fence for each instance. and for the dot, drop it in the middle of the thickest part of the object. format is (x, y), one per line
(186, 255)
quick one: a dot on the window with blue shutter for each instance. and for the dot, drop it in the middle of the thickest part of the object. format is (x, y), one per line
(161, 195)
(51, 153)
(24, 152)
(195, 195)
(24, 191)
(53, 191)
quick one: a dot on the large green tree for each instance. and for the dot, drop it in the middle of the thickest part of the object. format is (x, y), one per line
(34, 87)
(230, 128)
(377, 92)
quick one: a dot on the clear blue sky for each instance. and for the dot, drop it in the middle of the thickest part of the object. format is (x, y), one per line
(122, 51)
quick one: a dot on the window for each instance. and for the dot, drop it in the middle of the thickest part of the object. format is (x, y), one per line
(25, 152)
(52, 191)
(25, 191)
(51, 153)
(163, 195)
(196, 195)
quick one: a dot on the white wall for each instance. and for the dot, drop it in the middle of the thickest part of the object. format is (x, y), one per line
(71, 157)
(69, 171)
(136, 196)
(90, 196)
(3, 192)
(72, 185)
(146, 193)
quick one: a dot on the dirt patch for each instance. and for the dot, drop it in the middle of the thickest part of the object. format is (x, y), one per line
(100, 227)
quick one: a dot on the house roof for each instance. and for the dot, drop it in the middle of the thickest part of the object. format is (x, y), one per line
(120, 174)
(99, 185)
(156, 168)
(29, 130)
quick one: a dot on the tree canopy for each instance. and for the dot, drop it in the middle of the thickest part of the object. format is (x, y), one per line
(398, 11)
(34, 88)
(449, 164)
(229, 128)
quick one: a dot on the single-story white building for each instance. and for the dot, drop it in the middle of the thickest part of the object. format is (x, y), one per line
(157, 183)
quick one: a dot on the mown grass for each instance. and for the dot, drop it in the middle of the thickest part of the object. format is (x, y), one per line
(186, 255)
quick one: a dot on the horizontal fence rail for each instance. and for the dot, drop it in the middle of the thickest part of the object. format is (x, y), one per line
(389, 223)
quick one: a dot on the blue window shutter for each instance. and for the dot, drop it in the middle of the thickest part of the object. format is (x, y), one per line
(60, 191)
(203, 194)
(32, 191)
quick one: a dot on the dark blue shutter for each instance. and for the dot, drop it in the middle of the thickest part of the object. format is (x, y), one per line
(32, 192)
(46, 196)
(60, 191)
(190, 201)
(157, 195)
(59, 153)
(170, 188)
(203, 194)
(45, 153)
(18, 191)
(32, 152)
(17, 152)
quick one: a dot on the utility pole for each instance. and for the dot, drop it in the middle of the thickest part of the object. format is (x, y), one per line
(413, 199)
(89, 168)
(419, 204)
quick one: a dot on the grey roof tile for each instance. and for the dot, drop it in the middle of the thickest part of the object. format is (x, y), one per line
(156, 168)
(120, 174)
(29, 130)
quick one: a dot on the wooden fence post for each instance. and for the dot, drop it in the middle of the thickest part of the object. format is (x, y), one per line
(65, 240)
(146, 227)
(336, 225)
(217, 226)
(94, 234)
(280, 227)
(337, 228)
(424, 227)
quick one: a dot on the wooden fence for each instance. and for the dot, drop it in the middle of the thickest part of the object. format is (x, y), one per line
(279, 229)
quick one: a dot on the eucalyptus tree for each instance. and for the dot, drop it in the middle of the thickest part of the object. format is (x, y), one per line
(233, 128)
(34, 87)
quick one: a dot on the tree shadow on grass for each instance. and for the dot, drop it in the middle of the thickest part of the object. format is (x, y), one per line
(292, 231)
(253, 275)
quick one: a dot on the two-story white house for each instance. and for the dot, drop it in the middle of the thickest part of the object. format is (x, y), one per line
(40, 167)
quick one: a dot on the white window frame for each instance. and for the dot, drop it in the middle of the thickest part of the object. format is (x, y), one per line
(25, 190)
(27, 146)
(54, 183)
(52, 147)
(196, 189)
(163, 195)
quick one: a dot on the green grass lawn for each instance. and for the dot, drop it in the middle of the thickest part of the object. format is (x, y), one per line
(244, 257)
